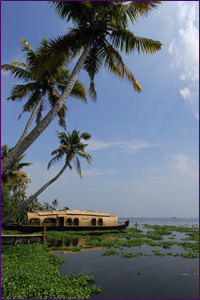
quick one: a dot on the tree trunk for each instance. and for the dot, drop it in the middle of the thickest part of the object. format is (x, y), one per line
(28, 124)
(35, 133)
(6, 218)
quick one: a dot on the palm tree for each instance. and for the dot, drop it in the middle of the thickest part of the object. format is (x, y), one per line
(71, 147)
(55, 203)
(38, 84)
(100, 32)
(13, 177)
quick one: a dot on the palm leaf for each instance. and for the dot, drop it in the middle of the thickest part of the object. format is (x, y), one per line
(55, 159)
(115, 64)
(126, 40)
(21, 90)
(17, 72)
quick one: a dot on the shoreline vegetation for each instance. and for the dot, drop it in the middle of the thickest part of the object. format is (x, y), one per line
(33, 271)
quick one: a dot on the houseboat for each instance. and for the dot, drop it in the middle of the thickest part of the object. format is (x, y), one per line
(69, 220)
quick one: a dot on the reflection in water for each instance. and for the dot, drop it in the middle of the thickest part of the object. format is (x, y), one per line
(71, 243)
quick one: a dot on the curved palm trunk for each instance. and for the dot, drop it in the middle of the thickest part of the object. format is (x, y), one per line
(28, 124)
(33, 135)
(34, 196)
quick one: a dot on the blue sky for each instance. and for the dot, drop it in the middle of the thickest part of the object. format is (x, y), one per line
(145, 147)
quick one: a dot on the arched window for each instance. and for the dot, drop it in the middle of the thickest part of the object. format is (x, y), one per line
(76, 221)
(100, 222)
(75, 242)
(34, 222)
(93, 222)
(49, 220)
(69, 221)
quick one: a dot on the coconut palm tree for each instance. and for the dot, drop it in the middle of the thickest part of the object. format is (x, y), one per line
(100, 33)
(38, 84)
(71, 148)
(13, 177)
(55, 204)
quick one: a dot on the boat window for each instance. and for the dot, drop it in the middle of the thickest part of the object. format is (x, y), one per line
(75, 242)
(76, 221)
(93, 222)
(100, 222)
(34, 221)
(49, 220)
(69, 221)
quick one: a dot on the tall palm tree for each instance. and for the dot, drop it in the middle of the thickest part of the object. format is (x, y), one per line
(38, 84)
(71, 147)
(100, 33)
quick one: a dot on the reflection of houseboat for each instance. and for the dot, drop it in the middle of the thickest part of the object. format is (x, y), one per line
(69, 220)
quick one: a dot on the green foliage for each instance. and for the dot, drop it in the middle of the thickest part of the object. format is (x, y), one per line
(167, 245)
(190, 255)
(110, 252)
(193, 246)
(139, 272)
(127, 255)
(29, 272)
(157, 253)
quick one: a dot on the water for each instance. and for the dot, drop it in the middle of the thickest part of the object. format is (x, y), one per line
(160, 278)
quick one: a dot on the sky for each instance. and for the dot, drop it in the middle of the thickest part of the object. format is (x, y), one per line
(144, 146)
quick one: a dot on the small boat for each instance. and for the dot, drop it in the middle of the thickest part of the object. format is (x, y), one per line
(63, 220)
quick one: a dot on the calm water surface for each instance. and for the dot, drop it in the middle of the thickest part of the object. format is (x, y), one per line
(160, 278)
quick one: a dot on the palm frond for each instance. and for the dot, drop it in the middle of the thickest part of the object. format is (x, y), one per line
(17, 72)
(55, 159)
(85, 136)
(77, 166)
(92, 65)
(115, 64)
(85, 155)
(124, 39)
(19, 91)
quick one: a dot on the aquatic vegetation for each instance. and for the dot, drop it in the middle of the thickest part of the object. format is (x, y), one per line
(127, 255)
(154, 236)
(30, 272)
(139, 272)
(177, 254)
(167, 245)
(152, 243)
(158, 253)
(190, 255)
(191, 246)
(110, 252)
(169, 253)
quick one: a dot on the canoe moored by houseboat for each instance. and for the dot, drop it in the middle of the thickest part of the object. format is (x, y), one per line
(69, 220)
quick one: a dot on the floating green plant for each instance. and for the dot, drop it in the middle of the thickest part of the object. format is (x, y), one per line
(158, 253)
(139, 272)
(30, 272)
(127, 255)
(110, 252)
(190, 255)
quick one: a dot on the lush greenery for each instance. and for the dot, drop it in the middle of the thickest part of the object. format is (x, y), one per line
(30, 272)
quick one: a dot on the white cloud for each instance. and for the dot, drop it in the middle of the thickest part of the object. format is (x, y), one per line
(185, 51)
(185, 165)
(100, 173)
(124, 146)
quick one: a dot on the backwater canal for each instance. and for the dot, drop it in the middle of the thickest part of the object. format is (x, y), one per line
(146, 276)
